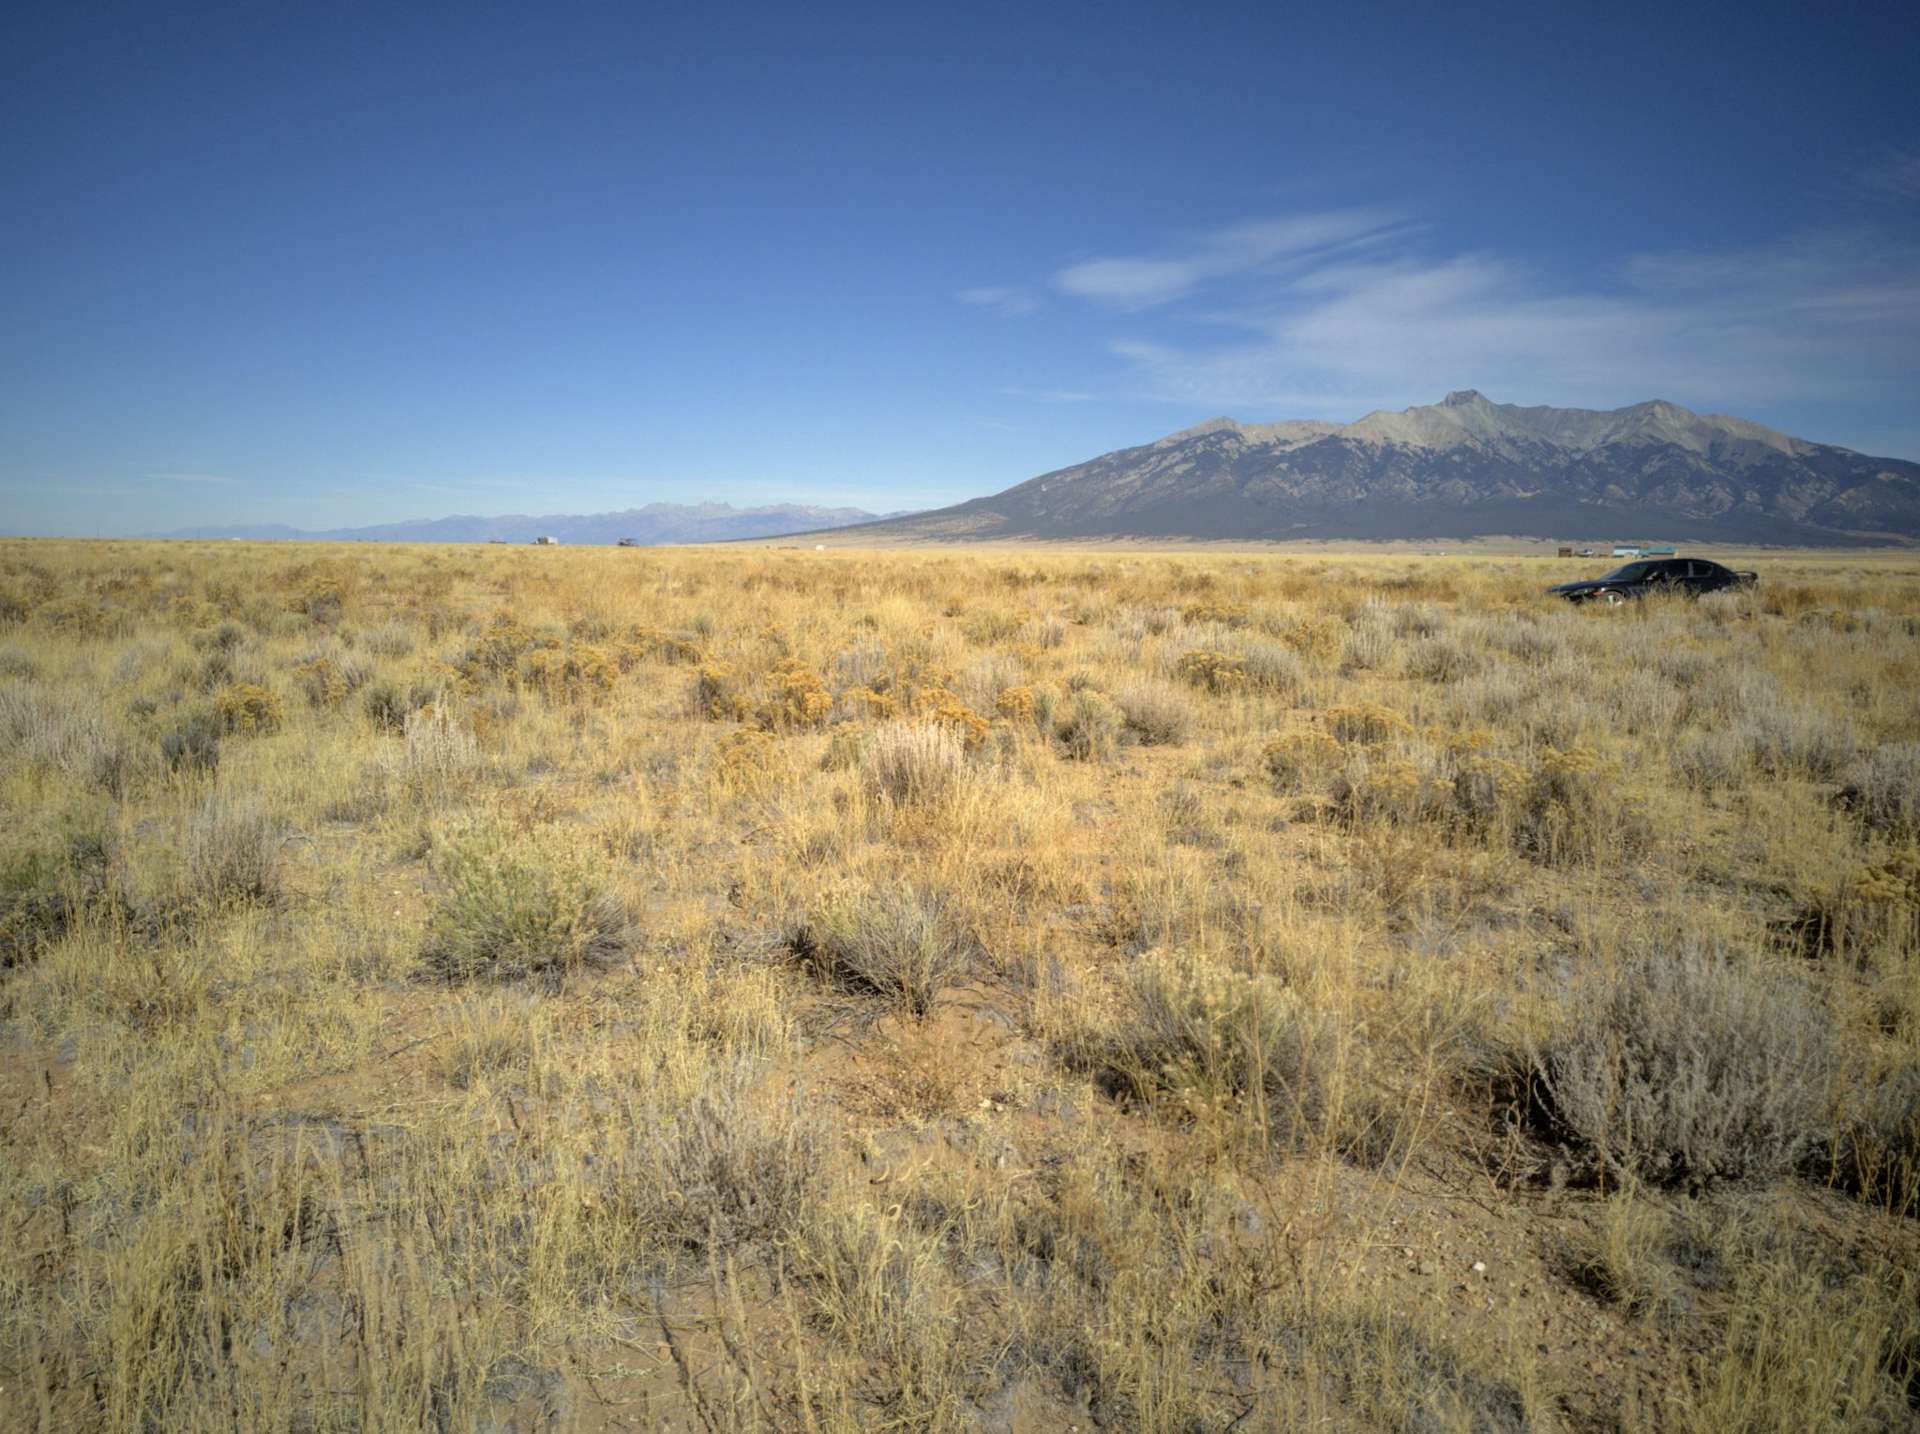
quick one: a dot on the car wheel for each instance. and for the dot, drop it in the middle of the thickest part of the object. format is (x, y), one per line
(1613, 597)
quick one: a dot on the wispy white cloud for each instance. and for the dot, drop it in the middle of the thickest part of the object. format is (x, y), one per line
(1829, 317)
(1891, 175)
(1000, 298)
(1252, 245)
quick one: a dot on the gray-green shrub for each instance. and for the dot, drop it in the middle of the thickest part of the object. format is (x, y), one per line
(1685, 1064)
(898, 941)
(1088, 726)
(1210, 1034)
(515, 907)
(1155, 712)
(1884, 790)
(231, 849)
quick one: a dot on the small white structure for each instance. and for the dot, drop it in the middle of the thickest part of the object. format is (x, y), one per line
(544, 542)
(1623, 551)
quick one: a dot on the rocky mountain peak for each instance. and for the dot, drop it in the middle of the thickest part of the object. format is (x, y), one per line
(1462, 467)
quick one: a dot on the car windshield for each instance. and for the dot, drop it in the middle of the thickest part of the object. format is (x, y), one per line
(1631, 573)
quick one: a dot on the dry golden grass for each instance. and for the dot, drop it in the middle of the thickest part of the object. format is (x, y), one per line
(734, 989)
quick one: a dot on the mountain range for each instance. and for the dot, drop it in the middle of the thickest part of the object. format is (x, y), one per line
(1464, 467)
(656, 523)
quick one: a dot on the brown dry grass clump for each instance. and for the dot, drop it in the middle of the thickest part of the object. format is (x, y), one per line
(744, 989)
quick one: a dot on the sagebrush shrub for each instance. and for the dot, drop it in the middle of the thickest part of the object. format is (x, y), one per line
(1157, 713)
(224, 638)
(988, 676)
(231, 849)
(1369, 644)
(1442, 658)
(898, 941)
(1685, 1064)
(864, 664)
(192, 744)
(388, 639)
(1716, 760)
(385, 705)
(1884, 790)
(1088, 726)
(1786, 739)
(1274, 667)
(1202, 1035)
(1044, 632)
(74, 742)
(517, 907)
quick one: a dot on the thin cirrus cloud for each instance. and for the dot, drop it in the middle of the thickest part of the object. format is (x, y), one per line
(1000, 298)
(1331, 314)
(1253, 246)
(1891, 176)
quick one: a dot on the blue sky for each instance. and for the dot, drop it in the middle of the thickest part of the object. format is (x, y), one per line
(347, 264)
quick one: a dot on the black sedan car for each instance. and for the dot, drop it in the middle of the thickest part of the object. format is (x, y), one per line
(1691, 576)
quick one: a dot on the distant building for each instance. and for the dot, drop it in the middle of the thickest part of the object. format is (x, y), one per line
(1623, 551)
(1657, 550)
(628, 543)
(545, 542)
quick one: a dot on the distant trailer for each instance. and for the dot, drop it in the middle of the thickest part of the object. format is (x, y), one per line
(1657, 550)
(1564, 553)
(628, 543)
(1626, 552)
(546, 542)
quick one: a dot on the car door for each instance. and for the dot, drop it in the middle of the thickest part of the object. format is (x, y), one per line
(1707, 577)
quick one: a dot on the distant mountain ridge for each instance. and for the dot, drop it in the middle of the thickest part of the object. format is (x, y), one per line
(1464, 467)
(656, 523)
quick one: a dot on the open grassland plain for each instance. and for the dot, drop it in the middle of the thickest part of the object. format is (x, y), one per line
(718, 990)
